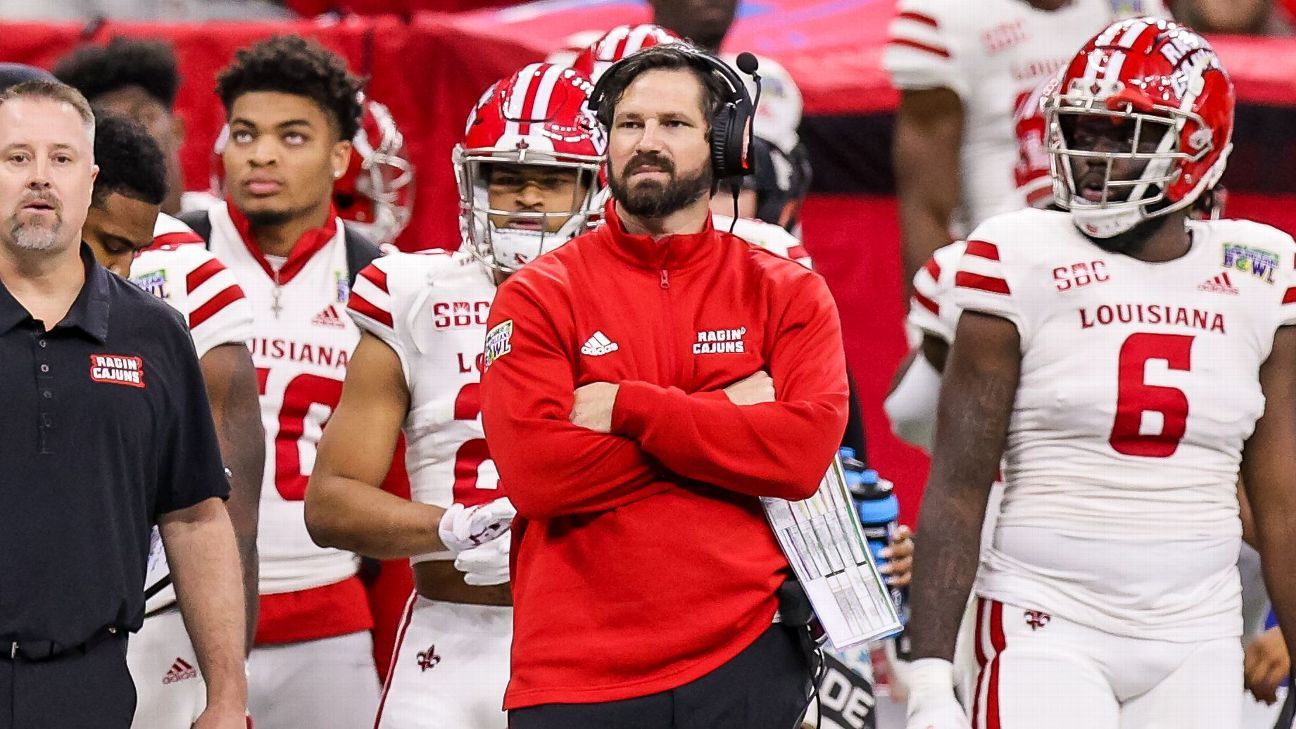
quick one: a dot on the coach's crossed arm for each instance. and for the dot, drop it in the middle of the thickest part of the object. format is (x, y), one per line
(550, 466)
(761, 446)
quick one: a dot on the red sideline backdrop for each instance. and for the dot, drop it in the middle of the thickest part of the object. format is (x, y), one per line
(431, 67)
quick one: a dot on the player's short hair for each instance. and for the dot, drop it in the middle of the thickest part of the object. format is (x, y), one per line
(667, 57)
(53, 91)
(291, 64)
(130, 161)
(99, 70)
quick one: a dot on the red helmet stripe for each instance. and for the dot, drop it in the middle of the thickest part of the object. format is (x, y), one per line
(544, 92)
(517, 103)
(1131, 36)
(638, 38)
(622, 35)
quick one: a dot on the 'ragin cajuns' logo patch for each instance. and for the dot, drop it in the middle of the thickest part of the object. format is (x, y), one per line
(720, 341)
(498, 342)
(117, 369)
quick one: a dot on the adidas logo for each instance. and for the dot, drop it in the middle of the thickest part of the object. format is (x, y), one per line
(180, 670)
(1221, 284)
(599, 345)
(330, 318)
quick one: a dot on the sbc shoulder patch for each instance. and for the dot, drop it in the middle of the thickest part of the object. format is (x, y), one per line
(498, 342)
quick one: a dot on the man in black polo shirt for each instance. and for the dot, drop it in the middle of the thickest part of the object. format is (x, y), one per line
(106, 430)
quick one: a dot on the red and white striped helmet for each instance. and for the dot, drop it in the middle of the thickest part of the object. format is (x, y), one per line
(1167, 81)
(376, 193)
(536, 117)
(618, 43)
(1034, 184)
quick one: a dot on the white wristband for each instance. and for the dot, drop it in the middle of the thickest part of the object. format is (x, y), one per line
(930, 679)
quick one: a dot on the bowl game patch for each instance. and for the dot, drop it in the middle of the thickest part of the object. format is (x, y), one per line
(497, 341)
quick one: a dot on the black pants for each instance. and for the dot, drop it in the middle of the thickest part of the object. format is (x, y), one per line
(84, 688)
(767, 686)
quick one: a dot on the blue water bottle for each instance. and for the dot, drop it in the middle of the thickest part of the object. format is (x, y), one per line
(879, 512)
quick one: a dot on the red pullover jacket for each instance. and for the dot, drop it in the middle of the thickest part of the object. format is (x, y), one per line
(642, 559)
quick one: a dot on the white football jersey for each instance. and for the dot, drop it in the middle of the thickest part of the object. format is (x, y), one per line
(932, 309)
(992, 53)
(170, 232)
(431, 309)
(1138, 388)
(189, 278)
(302, 340)
(765, 235)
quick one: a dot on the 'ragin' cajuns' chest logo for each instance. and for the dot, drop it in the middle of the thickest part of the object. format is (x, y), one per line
(117, 369)
(1255, 261)
(720, 341)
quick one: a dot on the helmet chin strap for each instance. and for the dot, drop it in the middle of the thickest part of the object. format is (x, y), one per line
(1099, 223)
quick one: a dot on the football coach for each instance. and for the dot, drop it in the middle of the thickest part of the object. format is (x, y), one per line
(644, 385)
(106, 430)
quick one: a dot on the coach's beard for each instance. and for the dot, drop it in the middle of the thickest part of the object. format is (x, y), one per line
(652, 199)
(29, 237)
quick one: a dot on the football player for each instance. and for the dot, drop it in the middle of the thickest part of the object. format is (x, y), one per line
(138, 79)
(527, 169)
(128, 193)
(962, 68)
(292, 110)
(1090, 356)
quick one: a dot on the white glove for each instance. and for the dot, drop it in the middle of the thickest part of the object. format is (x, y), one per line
(932, 704)
(462, 528)
(487, 564)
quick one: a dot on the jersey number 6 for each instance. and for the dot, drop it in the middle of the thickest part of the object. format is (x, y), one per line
(472, 454)
(1135, 397)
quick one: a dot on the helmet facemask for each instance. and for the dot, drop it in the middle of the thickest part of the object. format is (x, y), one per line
(505, 240)
(1167, 140)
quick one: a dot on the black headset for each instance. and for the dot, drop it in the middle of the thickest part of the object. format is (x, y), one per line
(730, 138)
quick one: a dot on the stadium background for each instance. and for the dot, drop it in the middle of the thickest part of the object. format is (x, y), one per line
(430, 66)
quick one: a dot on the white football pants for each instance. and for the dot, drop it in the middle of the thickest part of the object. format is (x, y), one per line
(449, 669)
(163, 665)
(330, 683)
(1041, 670)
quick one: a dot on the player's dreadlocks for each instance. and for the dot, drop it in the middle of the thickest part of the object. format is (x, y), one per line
(293, 65)
(98, 70)
(130, 162)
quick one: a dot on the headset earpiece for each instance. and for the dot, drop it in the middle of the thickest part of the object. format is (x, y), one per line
(730, 133)
(721, 124)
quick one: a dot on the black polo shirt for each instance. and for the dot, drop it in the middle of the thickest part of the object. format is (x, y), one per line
(104, 425)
